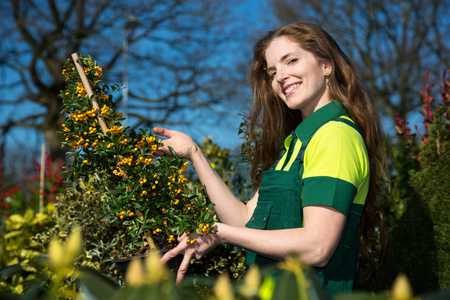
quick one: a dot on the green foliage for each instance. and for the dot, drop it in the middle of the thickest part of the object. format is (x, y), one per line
(249, 146)
(150, 196)
(224, 259)
(18, 250)
(231, 169)
(432, 183)
(154, 281)
(417, 210)
(103, 238)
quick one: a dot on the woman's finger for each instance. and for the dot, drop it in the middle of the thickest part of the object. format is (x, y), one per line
(157, 153)
(182, 270)
(181, 237)
(180, 249)
(163, 131)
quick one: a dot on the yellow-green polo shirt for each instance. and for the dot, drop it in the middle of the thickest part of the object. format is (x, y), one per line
(336, 166)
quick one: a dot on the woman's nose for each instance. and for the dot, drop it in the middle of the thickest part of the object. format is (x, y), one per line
(281, 76)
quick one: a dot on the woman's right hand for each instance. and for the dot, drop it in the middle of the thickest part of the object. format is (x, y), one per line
(182, 144)
(201, 245)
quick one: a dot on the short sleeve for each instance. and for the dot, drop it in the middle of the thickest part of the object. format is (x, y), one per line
(335, 168)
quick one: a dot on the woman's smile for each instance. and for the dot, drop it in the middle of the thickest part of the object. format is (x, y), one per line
(290, 89)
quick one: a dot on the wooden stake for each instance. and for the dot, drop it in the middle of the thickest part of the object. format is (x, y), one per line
(41, 189)
(88, 88)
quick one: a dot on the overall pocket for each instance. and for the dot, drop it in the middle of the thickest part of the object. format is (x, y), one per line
(283, 189)
(261, 215)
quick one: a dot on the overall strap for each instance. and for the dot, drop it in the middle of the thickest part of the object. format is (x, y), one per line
(298, 163)
(289, 153)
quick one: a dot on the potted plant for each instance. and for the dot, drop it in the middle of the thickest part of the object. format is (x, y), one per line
(149, 195)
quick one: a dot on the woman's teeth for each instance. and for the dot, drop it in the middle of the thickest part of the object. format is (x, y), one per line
(291, 88)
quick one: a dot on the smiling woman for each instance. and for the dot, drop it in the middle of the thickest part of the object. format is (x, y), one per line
(297, 76)
(316, 196)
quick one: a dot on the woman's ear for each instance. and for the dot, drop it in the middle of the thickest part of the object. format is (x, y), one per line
(327, 69)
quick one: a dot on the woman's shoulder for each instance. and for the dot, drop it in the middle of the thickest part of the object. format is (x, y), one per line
(337, 137)
(337, 150)
(342, 127)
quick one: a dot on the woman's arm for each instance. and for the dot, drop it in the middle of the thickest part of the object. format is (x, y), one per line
(229, 209)
(315, 243)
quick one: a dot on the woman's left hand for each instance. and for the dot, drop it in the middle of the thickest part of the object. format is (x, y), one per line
(202, 245)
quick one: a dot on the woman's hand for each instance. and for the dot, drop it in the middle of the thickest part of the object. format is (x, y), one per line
(202, 245)
(183, 144)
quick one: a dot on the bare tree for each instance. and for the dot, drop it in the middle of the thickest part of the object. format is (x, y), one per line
(394, 42)
(178, 54)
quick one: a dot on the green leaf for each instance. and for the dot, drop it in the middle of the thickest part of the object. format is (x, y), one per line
(72, 153)
(98, 287)
(286, 287)
(146, 153)
(360, 296)
(112, 192)
(172, 151)
(115, 241)
(92, 253)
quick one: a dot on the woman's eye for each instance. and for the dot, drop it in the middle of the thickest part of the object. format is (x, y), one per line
(292, 61)
(272, 75)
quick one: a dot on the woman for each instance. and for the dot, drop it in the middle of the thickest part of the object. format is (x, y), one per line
(313, 197)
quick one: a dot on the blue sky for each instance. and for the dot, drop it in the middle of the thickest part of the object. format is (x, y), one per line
(251, 13)
(255, 17)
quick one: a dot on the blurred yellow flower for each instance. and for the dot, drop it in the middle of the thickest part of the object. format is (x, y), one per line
(56, 254)
(60, 256)
(223, 289)
(401, 289)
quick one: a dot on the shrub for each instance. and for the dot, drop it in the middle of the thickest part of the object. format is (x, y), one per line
(418, 244)
(224, 259)
(432, 181)
(18, 250)
(103, 239)
(155, 282)
(147, 195)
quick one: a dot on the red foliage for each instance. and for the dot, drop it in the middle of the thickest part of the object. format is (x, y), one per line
(53, 179)
(427, 100)
(54, 183)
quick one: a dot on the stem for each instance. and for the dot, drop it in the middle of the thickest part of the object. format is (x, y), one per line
(41, 188)
(147, 233)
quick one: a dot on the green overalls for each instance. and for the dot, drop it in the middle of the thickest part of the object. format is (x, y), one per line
(280, 206)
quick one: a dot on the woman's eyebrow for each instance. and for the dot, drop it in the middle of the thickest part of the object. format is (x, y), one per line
(281, 59)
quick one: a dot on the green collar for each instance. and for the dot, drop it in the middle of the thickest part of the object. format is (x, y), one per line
(321, 116)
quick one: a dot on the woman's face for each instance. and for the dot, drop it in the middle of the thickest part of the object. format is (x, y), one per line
(298, 78)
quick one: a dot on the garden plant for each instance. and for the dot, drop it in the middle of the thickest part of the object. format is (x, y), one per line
(146, 194)
(153, 281)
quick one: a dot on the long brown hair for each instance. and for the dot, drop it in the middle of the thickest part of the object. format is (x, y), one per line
(275, 120)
